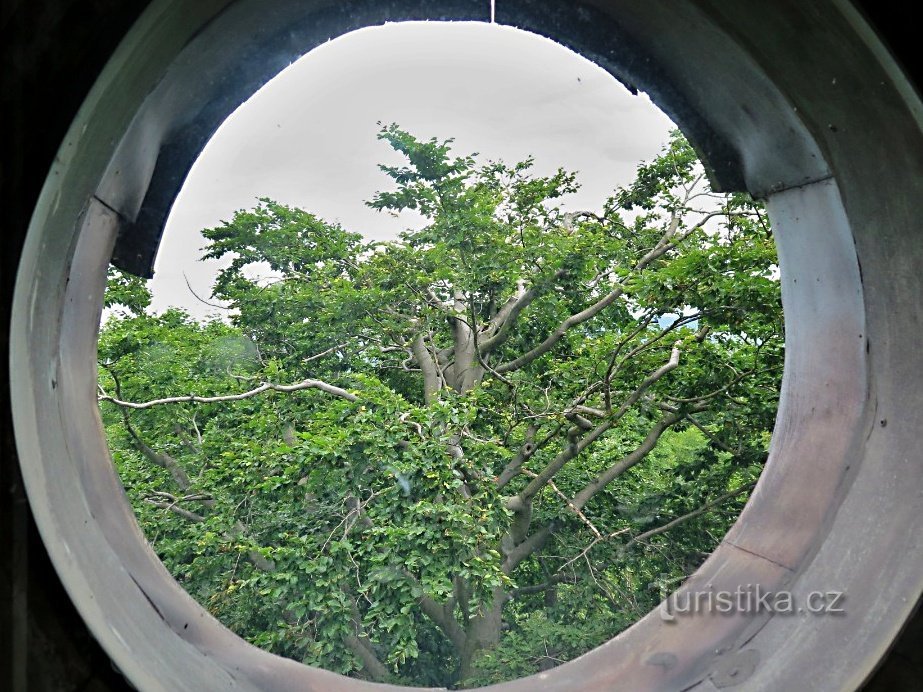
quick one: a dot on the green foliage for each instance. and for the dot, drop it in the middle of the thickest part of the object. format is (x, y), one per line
(126, 290)
(445, 460)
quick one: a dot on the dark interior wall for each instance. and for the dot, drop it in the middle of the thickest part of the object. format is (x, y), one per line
(52, 52)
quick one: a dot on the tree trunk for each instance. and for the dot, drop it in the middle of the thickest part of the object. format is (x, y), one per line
(482, 632)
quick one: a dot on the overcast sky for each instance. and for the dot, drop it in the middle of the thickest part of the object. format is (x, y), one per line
(308, 137)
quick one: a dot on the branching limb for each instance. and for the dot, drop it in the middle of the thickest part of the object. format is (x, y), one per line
(444, 619)
(615, 364)
(326, 352)
(668, 241)
(660, 529)
(720, 390)
(552, 339)
(165, 461)
(572, 450)
(585, 552)
(711, 436)
(182, 480)
(590, 411)
(358, 642)
(520, 552)
(503, 322)
(552, 582)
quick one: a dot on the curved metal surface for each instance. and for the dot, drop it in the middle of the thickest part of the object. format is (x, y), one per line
(796, 103)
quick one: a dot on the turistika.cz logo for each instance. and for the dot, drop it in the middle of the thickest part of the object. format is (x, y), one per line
(749, 598)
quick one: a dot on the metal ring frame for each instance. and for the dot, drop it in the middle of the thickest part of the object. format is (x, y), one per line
(796, 102)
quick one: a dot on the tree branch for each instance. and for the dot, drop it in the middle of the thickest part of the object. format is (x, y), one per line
(573, 449)
(358, 642)
(520, 552)
(571, 506)
(527, 450)
(660, 529)
(596, 541)
(264, 387)
(502, 323)
(237, 532)
(444, 620)
(720, 390)
(686, 517)
(200, 298)
(711, 436)
(165, 461)
(559, 332)
(614, 366)
(621, 466)
(361, 647)
(176, 509)
(431, 380)
(553, 581)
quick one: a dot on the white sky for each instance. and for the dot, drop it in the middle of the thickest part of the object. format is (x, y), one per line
(308, 138)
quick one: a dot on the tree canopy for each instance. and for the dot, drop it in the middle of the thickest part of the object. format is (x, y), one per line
(467, 454)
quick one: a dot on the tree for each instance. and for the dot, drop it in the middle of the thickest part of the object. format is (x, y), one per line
(466, 454)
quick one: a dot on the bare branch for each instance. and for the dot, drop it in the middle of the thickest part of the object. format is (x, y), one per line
(596, 541)
(720, 390)
(165, 461)
(265, 387)
(538, 588)
(660, 529)
(559, 332)
(435, 301)
(614, 366)
(711, 436)
(323, 353)
(200, 299)
(589, 410)
(502, 323)
(578, 420)
(193, 497)
(176, 509)
(686, 517)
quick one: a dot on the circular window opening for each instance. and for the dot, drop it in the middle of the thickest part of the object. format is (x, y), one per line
(753, 112)
(488, 433)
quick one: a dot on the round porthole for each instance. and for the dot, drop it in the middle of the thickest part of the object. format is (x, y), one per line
(800, 106)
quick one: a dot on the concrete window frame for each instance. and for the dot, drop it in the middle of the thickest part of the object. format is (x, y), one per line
(798, 103)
